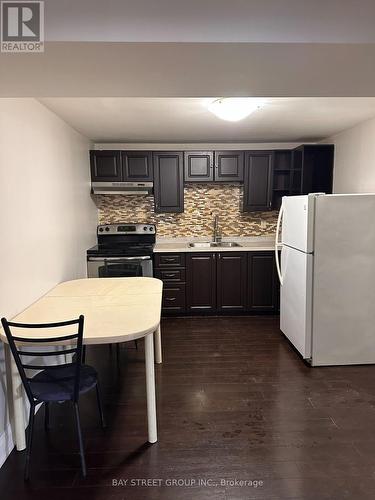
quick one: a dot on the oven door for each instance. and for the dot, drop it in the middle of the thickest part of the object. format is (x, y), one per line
(119, 267)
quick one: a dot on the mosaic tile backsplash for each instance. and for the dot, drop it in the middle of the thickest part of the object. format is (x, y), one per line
(202, 202)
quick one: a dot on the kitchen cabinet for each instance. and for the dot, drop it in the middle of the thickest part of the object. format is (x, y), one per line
(170, 268)
(281, 176)
(218, 282)
(317, 169)
(231, 281)
(229, 166)
(201, 282)
(262, 282)
(199, 166)
(168, 181)
(105, 166)
(137, 166)
(258, 181)
(214, 166)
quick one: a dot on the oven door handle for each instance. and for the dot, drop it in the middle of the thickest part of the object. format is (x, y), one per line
(117, 259)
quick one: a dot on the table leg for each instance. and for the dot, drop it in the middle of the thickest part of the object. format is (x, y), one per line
(16, 412)
(150, 389)
(158, 352)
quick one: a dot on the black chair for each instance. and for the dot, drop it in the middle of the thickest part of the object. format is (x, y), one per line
(53, 383)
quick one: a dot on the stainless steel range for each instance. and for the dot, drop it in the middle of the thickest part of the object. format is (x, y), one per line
(123, 250)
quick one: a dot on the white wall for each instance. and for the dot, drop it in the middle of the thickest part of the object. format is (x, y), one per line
(47, 218)
(354, 170)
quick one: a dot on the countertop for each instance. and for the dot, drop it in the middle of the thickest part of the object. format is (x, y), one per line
(248, 244)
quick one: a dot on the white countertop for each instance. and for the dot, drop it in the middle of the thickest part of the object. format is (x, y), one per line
(248, 244)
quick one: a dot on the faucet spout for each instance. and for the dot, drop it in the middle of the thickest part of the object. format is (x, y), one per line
(217, 235)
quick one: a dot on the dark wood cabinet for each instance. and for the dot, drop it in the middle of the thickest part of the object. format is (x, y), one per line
(201, 282)
(137, 166)
(281, 176)
(199, 166)
(263, 288)
(229, 166)
(258, 181)
(231, 281)
(170, 268)
(312, 169)
(168, 181)
(105, 166)
(218, 282)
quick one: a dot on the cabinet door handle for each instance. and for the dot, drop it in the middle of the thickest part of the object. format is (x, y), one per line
(170, 299)
(170, 275)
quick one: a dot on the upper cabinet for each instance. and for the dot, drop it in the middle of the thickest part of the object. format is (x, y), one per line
(118, 166)
(229, 166)
(169, 181)
(199, 166)
(214, 166)
(137, 166)
(105, 166)
(258, 181)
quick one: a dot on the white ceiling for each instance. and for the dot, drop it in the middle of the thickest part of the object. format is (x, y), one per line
(187, 119)
(211, 20)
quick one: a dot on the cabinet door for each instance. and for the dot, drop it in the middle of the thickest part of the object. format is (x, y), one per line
(105, 166)
(168, 182)
(258, 181)
(201, 282)
(231, 281)
(199, 166)
(317, 169)
(262, 282)
(229, 166)
(137, 166)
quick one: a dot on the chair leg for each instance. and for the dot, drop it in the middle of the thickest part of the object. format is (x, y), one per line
(46, 416)
(100, 406)
(80, 440)
(29, 441)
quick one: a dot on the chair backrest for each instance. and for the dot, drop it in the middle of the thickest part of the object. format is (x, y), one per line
(71, 343)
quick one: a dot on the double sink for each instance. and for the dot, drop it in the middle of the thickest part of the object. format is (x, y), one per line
(214, 244)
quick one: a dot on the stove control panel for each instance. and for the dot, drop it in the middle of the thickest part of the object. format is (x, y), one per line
(125, 228)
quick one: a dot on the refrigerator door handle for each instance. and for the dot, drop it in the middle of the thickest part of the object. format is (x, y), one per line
(277, 260)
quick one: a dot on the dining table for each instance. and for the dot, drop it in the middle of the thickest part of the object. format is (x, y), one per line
(115, 310)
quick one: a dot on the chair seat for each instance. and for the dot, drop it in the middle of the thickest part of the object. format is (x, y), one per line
(45, 386)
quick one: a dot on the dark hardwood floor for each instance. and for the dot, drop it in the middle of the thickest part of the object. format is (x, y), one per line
(235, 402)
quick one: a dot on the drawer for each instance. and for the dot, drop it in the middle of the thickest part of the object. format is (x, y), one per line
(170, 260)
(174, 298)
(170, 275)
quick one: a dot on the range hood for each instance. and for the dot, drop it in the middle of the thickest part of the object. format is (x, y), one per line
(128, 188)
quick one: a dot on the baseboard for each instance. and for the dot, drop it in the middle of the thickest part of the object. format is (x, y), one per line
(6, 444)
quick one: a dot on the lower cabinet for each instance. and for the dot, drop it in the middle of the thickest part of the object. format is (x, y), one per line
(231, 281)
(201, 282)
(218, 282)
(263, 288)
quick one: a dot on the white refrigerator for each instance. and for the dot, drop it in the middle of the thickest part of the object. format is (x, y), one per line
(327, 277)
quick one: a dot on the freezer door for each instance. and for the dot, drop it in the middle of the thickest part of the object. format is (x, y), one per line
(344, 280)
(298, 222)
(296, 297)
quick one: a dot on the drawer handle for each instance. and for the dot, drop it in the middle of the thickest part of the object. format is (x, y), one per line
(171, 259)
(170, 299)
(170, 275)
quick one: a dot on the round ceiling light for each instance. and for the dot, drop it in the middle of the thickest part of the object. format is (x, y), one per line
(234, 109)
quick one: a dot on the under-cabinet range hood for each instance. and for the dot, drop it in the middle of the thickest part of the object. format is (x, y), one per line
(125, 188)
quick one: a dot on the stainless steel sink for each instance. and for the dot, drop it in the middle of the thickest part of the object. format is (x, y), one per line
(214, 244)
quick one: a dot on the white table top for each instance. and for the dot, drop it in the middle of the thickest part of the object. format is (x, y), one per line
(115, 309)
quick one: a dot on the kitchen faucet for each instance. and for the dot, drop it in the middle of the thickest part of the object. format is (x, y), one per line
(217, 234)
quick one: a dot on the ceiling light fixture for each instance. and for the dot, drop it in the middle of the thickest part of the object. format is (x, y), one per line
(234, 109)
